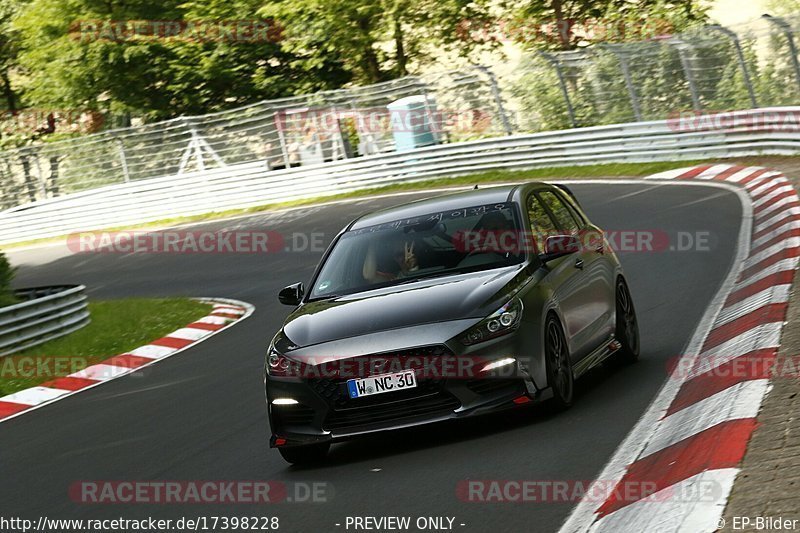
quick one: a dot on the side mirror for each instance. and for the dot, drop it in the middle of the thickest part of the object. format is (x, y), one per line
(291, 295)
(560, 245)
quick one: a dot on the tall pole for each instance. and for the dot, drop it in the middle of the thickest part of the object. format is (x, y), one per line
(681, 47)
(787, 30)
(626, 74)
(740, 56)
(562, 84)
(498, 98)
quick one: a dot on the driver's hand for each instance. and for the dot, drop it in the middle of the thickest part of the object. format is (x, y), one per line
(409, 259)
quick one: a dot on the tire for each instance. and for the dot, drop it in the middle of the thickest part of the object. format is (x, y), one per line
(305, 455)
(560, 377)
(627, 328)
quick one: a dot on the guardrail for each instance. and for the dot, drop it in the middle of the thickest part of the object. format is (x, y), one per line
(777, 131)
(47, 313)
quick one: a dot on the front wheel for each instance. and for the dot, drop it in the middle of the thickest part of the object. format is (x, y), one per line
(559, 366)
(627, 329)
(303, 455)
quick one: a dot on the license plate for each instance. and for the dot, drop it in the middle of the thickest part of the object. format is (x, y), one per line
(380, 384)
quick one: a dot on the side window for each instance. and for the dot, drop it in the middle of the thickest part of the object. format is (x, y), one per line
(573, 208)
(563, 216)
(542, 225)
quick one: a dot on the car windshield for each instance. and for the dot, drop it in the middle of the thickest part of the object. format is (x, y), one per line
(430, 245)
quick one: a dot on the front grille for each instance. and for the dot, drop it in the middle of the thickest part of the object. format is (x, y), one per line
(397, 411)
(491, 385)
(427, 397)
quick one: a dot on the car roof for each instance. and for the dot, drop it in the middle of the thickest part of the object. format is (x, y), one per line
(457, 200)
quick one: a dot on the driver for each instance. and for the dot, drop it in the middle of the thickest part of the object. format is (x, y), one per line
(398, 261)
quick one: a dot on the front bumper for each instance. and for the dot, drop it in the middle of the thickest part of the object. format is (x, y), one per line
(325, 413)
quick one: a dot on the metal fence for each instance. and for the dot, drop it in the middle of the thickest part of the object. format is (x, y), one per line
(708, 69)
(251, 184)
(46, 313)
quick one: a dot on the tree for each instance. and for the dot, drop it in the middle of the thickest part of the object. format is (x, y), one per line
(8, 51)
(376, 39)
(91, 55)
(568, 24)
(6, 276)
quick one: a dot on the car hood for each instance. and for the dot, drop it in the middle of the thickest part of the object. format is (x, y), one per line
(473, 295)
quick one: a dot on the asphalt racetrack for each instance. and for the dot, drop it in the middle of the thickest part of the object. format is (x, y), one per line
(201, 415)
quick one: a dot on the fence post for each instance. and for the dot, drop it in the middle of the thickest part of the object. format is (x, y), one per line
(626, 74)
(30, 186)
(123, 160)
(740, 56)
(432, 115)
(54, 164)
(787, 30)
(681, 47)
(328, 102)
(498, 98)
(42, 180)
(280, 119)
(562, 84)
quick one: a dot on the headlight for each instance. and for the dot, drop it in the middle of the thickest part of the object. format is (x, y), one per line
(501, 322)
(280, 365)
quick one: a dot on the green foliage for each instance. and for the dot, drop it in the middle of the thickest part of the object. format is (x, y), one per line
(117, 327)
(6, 275)
(569, 24)
(67, 66)
(376, 39)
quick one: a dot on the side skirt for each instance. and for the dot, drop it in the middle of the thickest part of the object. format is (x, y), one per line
(603, 352)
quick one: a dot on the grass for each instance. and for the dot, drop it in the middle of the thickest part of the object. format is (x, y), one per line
(609, 170)
(117, 326)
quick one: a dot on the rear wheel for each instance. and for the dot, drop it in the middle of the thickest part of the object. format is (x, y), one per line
(303, 455)
(559, 365)
(627, 330)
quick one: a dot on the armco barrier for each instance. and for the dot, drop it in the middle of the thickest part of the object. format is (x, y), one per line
(747, 133)
(46, 313)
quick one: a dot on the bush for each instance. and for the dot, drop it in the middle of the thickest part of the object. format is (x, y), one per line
(6, 275)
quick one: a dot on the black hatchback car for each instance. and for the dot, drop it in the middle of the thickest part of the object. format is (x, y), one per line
(445, 308)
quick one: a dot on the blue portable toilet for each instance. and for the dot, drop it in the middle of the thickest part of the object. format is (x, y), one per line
(411, 122)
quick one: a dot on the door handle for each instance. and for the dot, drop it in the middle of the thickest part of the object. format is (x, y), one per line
(579, 264)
